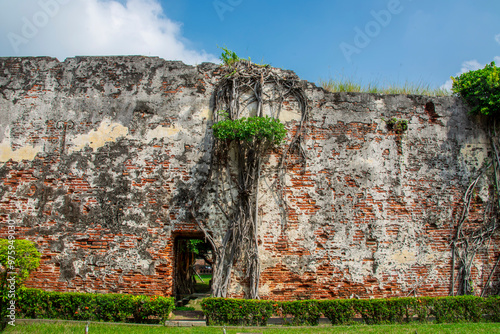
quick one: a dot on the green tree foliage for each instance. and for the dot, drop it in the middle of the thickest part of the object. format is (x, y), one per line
(251, 129)
(480, 89)
(194, 245)
(20, 256)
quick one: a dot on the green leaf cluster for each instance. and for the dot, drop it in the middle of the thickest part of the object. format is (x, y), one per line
(24, 258)
(251, 129)
(18, 258)
(193, 245)
(397, 125)
(228, 57)
(225, 311)
(480, 89)
(39, 304)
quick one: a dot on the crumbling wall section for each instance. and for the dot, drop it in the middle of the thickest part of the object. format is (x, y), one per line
(372, 211)
(100, 158)
(93, 153)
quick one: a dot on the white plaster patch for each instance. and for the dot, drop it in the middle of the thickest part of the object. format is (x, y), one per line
(405, 257)
(289, 115)
(161, 132)
(379, 105)
(79, 266)
(205, 113)
(107, 132)
(23, 153)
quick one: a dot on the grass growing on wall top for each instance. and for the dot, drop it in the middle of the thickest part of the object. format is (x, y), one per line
(351, 84)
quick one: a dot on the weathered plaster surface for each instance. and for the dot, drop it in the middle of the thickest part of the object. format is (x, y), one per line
(16, 154)
(101, 157)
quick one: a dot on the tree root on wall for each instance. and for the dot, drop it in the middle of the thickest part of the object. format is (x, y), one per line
(467, 242)
(237, 166)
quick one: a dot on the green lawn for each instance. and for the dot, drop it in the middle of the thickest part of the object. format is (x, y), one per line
(206, 278)
(202, 287)
(55, 328)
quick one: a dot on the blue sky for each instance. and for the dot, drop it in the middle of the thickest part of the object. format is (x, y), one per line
(384, 41)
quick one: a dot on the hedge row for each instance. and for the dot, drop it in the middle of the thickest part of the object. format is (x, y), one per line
(34, 303)
(226, 311)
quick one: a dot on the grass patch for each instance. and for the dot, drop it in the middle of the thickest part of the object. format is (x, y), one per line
(64, 327)
(206, 278)
(202, 287)
(351, 84)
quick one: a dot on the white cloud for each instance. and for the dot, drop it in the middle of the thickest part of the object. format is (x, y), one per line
(469, 65)
(66, 28)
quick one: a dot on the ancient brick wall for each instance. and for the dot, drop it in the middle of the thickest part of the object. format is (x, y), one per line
(100, 158)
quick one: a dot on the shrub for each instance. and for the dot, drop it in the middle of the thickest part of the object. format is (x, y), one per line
(375, 311)
(35, 303)
(480, 89)
(458, 309)
(491, 308)
(303, 312)
(338, 311)
(227, 311)
(423, 308)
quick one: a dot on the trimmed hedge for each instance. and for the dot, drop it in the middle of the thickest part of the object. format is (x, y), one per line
(227, 311)
(338, 311)
(302, 312)
(463, 309)
(39, 304)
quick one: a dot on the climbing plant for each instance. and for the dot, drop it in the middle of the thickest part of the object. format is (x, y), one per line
(247, 102)
(480, 90)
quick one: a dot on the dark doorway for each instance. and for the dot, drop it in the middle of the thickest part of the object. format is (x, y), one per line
(193, 265)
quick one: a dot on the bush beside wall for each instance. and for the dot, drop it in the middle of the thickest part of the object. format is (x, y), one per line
(338, 311)
(227, 311)
(39, 304)
(302, 312)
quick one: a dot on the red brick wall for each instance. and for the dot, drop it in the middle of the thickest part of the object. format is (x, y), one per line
(370, 213)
